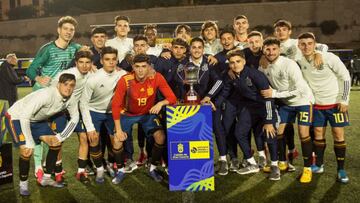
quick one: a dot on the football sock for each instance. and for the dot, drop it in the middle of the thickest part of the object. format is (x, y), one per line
(306, 147)
(51, 159)
(82, 163)
(262, 153)
(96, 155)
(320, 146)
(24, 167)
(281, 147)
(156, 153)
(119, 156)
(38, 152)
(89, 162)
(58, 166)
(274, 163)
(111, 158)
(152, 167)
(289, 136)
(340, 149)
(222, 158)
(252, 161)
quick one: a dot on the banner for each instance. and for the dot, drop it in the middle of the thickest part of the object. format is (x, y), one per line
(3, 108)
(6, 166)
(190, 148)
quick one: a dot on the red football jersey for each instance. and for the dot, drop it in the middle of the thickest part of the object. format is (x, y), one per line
(136, 98)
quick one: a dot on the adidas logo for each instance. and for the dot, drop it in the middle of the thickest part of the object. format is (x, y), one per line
(102, 85)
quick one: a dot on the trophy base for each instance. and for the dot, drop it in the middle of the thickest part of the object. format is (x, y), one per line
(192, 100)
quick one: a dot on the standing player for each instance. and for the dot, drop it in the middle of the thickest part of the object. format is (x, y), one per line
(288, 85)
(83, 61)
(52, 58)
(254, 112)
(208, 84)
(150, 32)
(289, 48)
(210, 34)
(241, 26)
(167, 67)
(27, 122)
(331, 87)
(134, 102)
(98, 39)
(227, 142)
(184, 32)
(253, 53)
(95, 105)
(121, 42)
(140, 46)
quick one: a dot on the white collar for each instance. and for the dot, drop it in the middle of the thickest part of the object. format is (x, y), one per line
(200, 62)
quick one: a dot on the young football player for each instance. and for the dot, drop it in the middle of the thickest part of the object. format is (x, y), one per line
(331, 87)
(134, 102)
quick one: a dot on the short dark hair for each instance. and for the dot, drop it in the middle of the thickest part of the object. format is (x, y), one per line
(197, 39)
(150, 27)
(98, 30)
(139, 38)
(235, 52)
(283, 23)
(181, 26)
(227, 30)
(141, 58)
(66, 77)
(208, 24)
(255, 33)
(83, 54)
(180, 42)
(307, 35)
(108, 50)
(240, 17)
(121, 17)
(270, 41)
(67, 19)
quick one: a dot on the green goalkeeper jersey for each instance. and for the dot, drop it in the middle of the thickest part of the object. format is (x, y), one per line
(50, 60)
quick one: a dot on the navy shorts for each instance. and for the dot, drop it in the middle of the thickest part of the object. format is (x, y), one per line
(37, 129)
(335, 118)
(149, 122)
(288, 114)
(59, 121)
(103, 118)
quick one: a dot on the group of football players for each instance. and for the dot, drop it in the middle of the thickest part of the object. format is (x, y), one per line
(258, 88)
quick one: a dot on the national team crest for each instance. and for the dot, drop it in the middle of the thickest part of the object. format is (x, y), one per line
(180, 68)
(248, 82)
(281, 75)
(150, 91)
(205, 67)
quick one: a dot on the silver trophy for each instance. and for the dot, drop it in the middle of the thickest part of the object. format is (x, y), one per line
(191, 77)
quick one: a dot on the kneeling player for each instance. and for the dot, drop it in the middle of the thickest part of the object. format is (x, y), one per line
(134, 102)
(27, 122)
